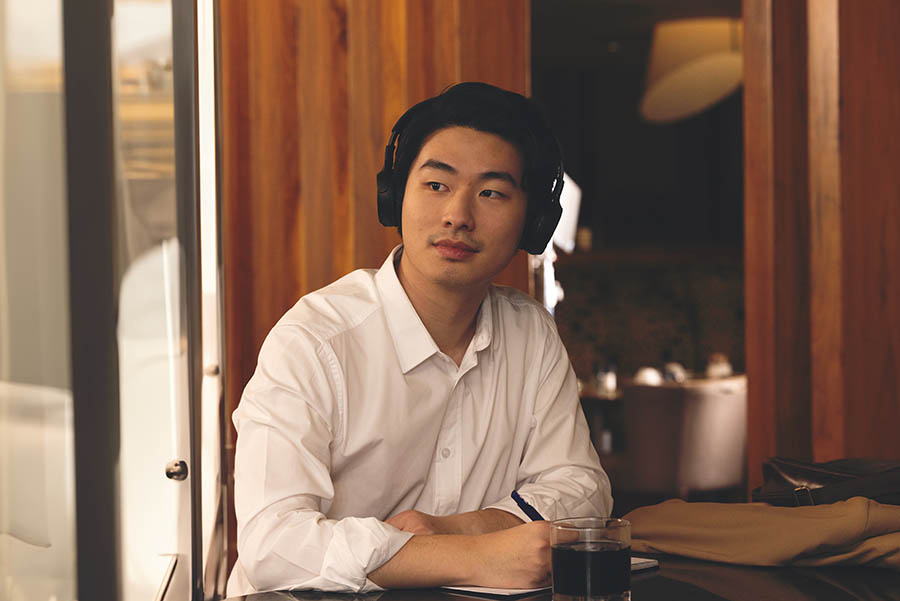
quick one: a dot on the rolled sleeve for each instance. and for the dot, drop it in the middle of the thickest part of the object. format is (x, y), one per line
(364, 544)
(295, 550)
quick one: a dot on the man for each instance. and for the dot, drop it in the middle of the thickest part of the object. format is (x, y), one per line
(393, 412)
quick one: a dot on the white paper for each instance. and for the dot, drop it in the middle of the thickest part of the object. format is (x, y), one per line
(642, 563)
(502, 592)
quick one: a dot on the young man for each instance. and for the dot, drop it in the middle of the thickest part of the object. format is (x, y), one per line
(393, 412)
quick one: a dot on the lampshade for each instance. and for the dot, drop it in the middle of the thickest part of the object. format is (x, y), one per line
(694, 63)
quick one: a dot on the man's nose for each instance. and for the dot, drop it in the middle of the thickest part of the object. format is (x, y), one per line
(458, 212)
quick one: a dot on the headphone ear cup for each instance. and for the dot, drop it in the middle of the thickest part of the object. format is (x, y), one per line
(387, 209)
(540, 230)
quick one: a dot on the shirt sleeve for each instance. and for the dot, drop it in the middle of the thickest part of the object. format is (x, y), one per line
(560, 473)
(289, 415)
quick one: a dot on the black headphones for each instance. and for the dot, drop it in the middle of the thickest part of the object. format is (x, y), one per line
(538, 229)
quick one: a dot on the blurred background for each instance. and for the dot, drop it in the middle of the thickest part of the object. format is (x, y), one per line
(658, 276)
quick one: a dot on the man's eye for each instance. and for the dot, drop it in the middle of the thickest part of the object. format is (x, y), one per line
(436, 186)
(493, 194)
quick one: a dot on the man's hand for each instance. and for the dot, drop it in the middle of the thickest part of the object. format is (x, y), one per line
(515, 558)
(472, 522)
(417, 522)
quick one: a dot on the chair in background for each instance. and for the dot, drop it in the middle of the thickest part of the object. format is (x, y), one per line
(685, 438)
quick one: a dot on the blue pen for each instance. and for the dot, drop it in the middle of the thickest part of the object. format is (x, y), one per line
(530, 511)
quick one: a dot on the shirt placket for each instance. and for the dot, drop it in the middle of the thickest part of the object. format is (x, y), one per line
(449, 461)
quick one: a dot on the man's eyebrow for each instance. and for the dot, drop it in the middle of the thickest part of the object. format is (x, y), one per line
(442, 166)
(499, 175)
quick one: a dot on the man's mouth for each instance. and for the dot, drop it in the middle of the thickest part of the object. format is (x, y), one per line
(454, 249)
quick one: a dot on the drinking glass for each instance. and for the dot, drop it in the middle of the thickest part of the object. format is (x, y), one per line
(591, 559)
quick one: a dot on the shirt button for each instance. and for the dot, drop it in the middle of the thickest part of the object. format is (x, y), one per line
(445, 452)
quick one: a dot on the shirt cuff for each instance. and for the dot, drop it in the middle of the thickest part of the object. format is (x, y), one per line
(358, 546)
(510, 506)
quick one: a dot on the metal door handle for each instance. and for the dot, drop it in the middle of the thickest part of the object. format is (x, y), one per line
(176, 470)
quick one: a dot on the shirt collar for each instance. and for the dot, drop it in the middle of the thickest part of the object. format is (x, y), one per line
(484, 325)
(412, 341)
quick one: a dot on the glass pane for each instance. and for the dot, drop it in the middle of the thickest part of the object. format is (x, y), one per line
(37, 524)
(155, 511)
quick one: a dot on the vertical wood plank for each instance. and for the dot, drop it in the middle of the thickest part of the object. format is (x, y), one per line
(234, 150)
(759, 235)
(434, 47)
(269, 174)
(322, 106)
(870, 225)
(377, 89)
(826, 265)
(791, 337)
(495, 43)
(776, 233)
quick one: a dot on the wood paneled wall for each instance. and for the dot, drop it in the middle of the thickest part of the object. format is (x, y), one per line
(867, 138)
(309, 90)
(822, 244)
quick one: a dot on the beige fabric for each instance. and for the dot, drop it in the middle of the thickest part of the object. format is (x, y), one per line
(857, 531)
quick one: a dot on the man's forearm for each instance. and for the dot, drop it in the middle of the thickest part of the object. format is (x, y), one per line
(470, 523)
(479, 522)
(428, 561)
(514, 558)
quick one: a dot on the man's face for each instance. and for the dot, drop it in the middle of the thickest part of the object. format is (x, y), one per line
(463, 208)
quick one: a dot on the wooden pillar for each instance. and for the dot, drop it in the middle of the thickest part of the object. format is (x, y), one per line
(822, 131)
(856, 241)
(776, 217)
(826, 266)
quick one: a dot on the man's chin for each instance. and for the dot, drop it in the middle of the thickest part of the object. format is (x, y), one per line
(455, 277)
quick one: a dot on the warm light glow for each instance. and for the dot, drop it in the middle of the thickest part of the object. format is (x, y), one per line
(694, 63)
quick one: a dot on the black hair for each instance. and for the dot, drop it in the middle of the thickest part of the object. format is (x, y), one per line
(490, 109)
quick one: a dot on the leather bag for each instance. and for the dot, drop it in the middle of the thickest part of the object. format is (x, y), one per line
(794, 483)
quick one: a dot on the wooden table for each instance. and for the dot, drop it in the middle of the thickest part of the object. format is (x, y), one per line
(691, 580)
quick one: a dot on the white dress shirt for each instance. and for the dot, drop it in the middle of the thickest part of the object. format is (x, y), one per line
(354, 415)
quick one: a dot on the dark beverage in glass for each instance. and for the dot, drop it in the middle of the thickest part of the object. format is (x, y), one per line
(591, 559)
(591, 569)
